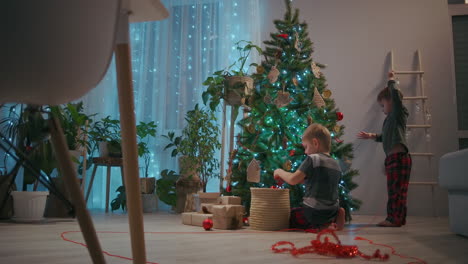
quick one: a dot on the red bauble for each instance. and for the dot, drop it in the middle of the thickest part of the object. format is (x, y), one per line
(245, 220)
(339, 116)
(273, 187)
(285, 36)
(228, 188)
(292, 152)
(207, 224)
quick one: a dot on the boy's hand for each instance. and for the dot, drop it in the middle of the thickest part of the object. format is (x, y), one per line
(365, 135)
(276, 174)
(391, 75)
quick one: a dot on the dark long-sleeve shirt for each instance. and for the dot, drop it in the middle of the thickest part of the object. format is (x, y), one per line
(394, 126)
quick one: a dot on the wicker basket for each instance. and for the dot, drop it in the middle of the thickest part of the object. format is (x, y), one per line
(269, 209)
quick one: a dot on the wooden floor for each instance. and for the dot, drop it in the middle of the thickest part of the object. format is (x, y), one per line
(168, 241)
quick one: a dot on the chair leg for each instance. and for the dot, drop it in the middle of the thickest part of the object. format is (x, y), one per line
(108, 187)
(91, 182)
(129, 144)
(71, 180)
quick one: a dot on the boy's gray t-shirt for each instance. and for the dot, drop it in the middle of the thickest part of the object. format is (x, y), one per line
(323, 175)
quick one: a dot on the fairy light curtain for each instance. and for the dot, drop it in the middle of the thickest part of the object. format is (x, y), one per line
(170, 60)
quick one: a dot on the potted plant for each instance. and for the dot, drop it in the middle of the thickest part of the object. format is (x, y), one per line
(197, 147)
(231, 84)
(166, 187)
(105, 135)
(26, 128)
(147, 184)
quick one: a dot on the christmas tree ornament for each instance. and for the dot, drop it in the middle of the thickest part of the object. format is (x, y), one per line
(292, 152)
(315, 70)
(207, 224)
(245, 220)
(273, 74)
(282, 99)
(297, 44)
(285, 36)
(267, 99)
(318, 100)
(285, 142)
(253, 171)
(310, 120)
(287, 166)
(326, 94)
(260, 69)
(339, 116)
(229, 188)
(339, 140)
(295, 81)
(337, 128)
(251, 128)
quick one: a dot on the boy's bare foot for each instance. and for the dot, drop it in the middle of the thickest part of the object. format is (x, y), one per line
(386, 223)
(340, 219)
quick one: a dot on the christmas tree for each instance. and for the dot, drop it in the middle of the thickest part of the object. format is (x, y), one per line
(291, 94)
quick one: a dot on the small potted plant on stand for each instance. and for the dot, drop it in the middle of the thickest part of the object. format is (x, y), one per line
(105, 135)
(232, 85)
(197, 147)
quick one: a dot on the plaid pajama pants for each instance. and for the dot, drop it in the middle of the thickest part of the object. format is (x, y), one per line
(398, 169)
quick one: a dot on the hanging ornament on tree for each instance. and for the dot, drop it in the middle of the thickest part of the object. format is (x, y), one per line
(282, 99)
(285, 36)
(207, 224)
(253, 171)
(295, 82)
(337, 128)
(326, 94)
(292, 152)
(273, 74)
(285, 142)
(229, 188)
(260, 69)
(339, 116)
(267, 99)
(310, 120)
(339, 140)
(315, 70)
(245, 220)
(297, 44)
(318, 100)
(251, 128)
(287, 166)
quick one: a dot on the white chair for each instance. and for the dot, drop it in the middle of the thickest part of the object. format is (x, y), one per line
(55, 51)
(453, 175)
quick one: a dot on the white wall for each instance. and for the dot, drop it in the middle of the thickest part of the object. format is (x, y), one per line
(354, 39)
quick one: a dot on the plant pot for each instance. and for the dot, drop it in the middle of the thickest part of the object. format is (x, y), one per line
(149, 202)
(183, 188)
(147, 185)
(187, 170)
(29, 206)
(7, 211)
(238, 87)
(103, 149)
(54, 206)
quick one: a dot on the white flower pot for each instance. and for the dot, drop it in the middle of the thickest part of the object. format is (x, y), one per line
(29, 206)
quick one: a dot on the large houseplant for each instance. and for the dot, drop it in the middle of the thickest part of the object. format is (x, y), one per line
(196, 147)
(232, 83)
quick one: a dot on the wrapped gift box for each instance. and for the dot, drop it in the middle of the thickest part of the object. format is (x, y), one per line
(211, 198)
(227, 216)
(194, 218)
(235, 200)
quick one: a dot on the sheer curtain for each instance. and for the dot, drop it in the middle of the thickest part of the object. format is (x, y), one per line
(170, 60)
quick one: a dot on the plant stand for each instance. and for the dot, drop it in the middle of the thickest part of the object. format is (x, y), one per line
(184, 187)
